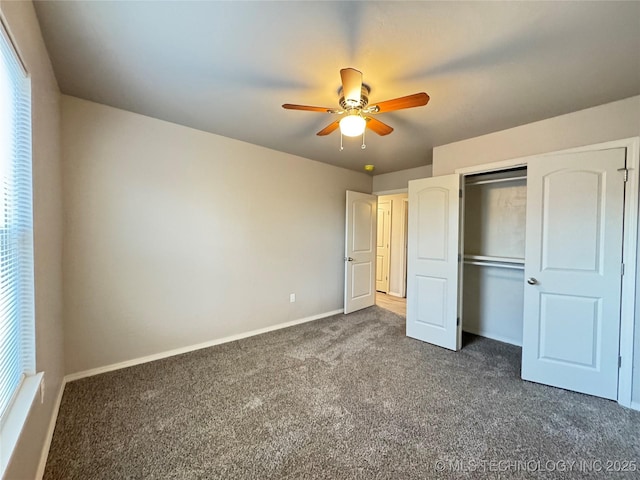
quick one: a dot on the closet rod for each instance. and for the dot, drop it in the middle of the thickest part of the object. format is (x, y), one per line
(495, 180)
(512, 266)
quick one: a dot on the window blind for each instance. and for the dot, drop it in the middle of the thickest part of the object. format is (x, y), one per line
(17, 343)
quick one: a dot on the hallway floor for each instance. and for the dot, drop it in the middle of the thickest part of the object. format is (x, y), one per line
(389, 302)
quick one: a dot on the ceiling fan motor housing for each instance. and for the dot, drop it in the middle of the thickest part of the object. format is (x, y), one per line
(364, 99)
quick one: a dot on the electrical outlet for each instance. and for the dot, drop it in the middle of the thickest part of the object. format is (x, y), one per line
(292, 298)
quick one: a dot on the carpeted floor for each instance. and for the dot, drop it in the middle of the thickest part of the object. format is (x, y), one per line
(347, 397)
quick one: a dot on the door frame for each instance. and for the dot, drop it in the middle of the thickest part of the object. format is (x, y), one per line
(405, 238)
(629, 310)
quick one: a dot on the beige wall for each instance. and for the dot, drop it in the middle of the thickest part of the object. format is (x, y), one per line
(612, 121)
(177, 236)
(391, 182)
(47, 213)
(396, 265)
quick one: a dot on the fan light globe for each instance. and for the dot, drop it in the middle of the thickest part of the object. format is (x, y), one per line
(352, 125)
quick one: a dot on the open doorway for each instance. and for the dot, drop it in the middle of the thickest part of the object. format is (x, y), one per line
(391, 254)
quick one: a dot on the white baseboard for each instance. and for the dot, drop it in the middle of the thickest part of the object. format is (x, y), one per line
(49, 436)
(394, 294)
(178, 351)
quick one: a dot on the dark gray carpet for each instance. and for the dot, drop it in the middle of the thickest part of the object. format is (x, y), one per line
(348, 397)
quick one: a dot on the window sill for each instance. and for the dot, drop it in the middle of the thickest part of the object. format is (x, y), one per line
(16, 417)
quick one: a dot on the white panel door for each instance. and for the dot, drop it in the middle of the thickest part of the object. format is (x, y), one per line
(383, 241)
(573, 258)
(432, 263)
(360, 251)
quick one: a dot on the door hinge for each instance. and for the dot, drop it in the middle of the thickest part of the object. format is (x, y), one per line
(619, 362)
(459, 257)
(458, 322)
(460, 193)
(625, 173)
(622, 269)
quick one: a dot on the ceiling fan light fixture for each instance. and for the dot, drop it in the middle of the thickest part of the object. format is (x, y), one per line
(352, 125)
(355, 113)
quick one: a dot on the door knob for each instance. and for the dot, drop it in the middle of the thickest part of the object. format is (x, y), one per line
(532, 281)
(348, 259)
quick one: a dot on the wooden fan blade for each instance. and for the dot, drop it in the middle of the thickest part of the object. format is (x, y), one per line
(329, 128)
(410, 101)
(351, 85)
(291, 106)
(377, 126)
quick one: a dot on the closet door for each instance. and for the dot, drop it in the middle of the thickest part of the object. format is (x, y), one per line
(433, 245)
(573, 260)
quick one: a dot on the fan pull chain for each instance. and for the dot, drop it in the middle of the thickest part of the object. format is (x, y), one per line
(363, 145)
(341, 147)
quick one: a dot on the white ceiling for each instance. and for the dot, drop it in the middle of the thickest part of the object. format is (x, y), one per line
(227, 67)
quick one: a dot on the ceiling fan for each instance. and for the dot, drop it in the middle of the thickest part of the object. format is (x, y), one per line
(355, 110)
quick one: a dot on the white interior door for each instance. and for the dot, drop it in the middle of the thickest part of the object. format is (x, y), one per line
(573, 260)
(383, 242)
(433, 244)
(360, 251)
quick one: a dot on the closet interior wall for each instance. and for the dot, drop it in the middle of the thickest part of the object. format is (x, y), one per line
(494, 241)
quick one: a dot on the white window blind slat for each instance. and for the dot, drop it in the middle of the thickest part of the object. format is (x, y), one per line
(17, 343)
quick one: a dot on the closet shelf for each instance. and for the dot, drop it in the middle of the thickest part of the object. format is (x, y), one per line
(491, 258)
(490, 261)
(470, 183)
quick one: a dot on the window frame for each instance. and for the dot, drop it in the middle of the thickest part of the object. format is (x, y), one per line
(15, 416)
